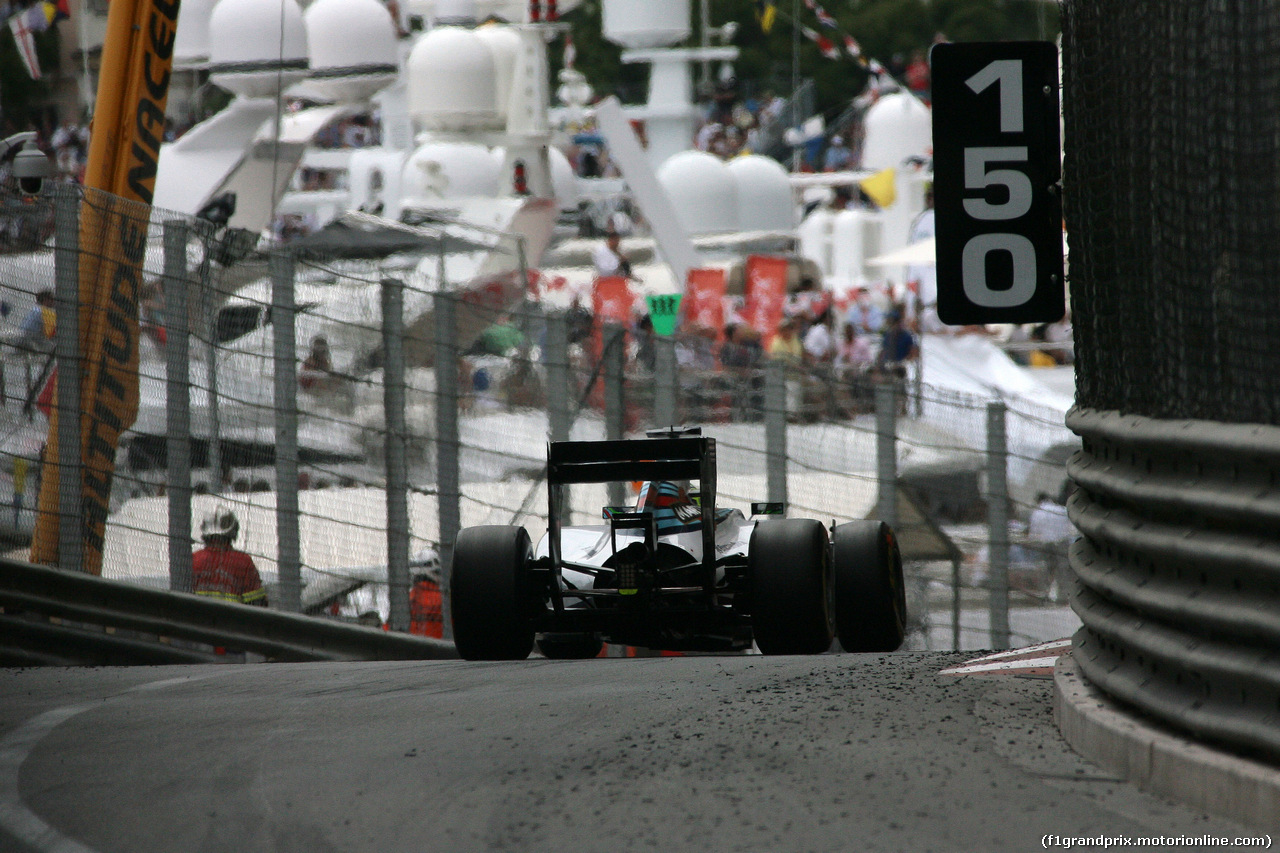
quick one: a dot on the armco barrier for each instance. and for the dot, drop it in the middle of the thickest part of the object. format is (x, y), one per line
(58, 597)
(1179, 571)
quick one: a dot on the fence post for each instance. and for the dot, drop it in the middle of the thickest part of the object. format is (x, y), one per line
(209, 305)
(887, 452)
(448, 490)
(614, 356)
(775, 431)
(393, 396)
(557, 365)
(998, 521)
(289, 551)
(665, 381)
(66, 258)
(177, 389)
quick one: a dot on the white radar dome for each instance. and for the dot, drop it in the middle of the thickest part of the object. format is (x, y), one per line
(646, 23)
(446, 171)
(702, 191)
(191, 43)
(898, 126)
(505, 45)
(453, 82)
(353, 47)
(257, 49)
(764, 194)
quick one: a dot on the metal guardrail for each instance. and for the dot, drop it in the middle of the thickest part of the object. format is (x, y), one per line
(1179, 571)
(49, 616)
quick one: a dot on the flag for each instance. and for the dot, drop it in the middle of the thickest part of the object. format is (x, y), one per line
(54, 12)
(825, 19)
(852, 47)
(825, 45)
(880, 187)
(766, 14)
(26, 42)
(36, 19)
(570, 52)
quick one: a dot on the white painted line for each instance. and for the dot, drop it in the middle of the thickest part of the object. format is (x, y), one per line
(1056, 645)
(15, 817)
(1045, 663)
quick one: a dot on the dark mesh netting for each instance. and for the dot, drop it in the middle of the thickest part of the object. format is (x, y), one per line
(1172, 131)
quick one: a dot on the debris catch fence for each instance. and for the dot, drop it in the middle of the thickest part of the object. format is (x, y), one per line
(355, 413)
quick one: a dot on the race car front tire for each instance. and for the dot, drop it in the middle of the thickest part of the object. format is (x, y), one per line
(791, 587)
(491, 596)
(871, 602)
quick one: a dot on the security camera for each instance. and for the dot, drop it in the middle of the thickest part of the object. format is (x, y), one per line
(31, 166)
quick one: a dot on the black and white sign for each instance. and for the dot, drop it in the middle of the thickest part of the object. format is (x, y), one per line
(997, 201)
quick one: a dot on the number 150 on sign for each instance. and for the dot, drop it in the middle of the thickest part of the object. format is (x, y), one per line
(997, 172)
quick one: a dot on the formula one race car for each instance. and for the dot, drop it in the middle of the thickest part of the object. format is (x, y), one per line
(675, 572)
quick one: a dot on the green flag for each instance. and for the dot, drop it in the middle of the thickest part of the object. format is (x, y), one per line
(663, 311)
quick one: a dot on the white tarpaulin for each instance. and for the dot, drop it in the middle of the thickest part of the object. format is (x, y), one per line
(916, 254)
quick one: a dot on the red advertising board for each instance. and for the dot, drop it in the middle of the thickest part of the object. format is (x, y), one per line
(704, 301)
(766, 295)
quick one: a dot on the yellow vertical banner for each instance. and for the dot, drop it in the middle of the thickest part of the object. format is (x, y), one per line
(124, 148)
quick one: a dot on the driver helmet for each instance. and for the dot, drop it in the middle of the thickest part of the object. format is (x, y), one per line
(221, 523)
(673, 507)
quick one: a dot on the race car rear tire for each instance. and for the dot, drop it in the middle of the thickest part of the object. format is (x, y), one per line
(491, 597)
(570, 646)
(871, 600)
(791, 587)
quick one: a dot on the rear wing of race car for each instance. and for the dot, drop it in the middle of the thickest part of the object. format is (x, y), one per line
(673, 458)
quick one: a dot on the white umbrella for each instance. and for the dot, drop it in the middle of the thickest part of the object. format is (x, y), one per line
(916, 254)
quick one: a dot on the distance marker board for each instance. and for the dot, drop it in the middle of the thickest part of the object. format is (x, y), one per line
(997, 182)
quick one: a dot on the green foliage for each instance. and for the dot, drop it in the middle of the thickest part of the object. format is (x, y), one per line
(882, 27)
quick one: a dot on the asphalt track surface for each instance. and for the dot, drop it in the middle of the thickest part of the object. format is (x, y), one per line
(736, 753)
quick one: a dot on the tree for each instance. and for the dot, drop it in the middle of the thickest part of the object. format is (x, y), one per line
(24, 101)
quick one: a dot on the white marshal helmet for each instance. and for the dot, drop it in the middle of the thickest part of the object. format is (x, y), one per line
(221, 522)
(426, 562)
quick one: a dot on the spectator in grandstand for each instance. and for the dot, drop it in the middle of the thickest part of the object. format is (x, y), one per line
(838, 157)
(35, 332)
(785, 345)
(1060, 333)
(317, 375)
(917, 74)
(853, 353)
(819, 343)
(608, 257)
(646, 347)
(579, 321)
(501, 338)
(740, 357)
(1050, 531)
(864, 315)
(897, 348)
(853, 363)
(218, 570)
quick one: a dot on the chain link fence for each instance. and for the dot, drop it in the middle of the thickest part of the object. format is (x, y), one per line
(355, 413)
